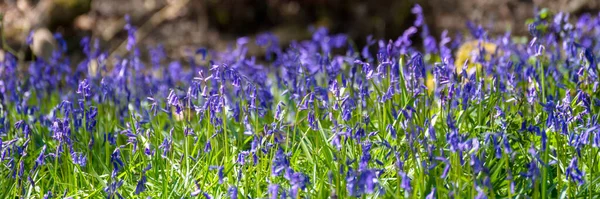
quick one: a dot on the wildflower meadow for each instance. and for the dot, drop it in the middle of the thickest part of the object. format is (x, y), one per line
(468, 115)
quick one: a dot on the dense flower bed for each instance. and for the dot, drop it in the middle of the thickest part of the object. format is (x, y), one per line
(505, 117)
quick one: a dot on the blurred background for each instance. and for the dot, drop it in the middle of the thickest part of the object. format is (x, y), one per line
(184, 25)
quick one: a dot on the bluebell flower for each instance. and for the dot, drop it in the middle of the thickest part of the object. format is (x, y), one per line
(203, 52)
(431, 194)
(131, 30)
(115, 159)
(480, 193)
(497, 146)
(406, 183)
(430, 44)
(165, 146)
(48, 195)
(111, 190)
(445, 51)
(533, 171)
(477, 165)
(574, 173)
(391, 130)
(453, 137)
(61, 42)
(359, 134)
(506, 143)
(312, 121)
(195, 192)
(21, 168)
(299, 181)
(418, 11)
(29, 39)
(140, 187)
(446, 167)
(388, 94)
(280, 163)
(418, 65)
(207, 147)
(476, 31)
(233, 192)
(273, 191)
(30, 180)
(336, 141)
(347, 108)
(366, 156)
(188, 131)
(589, 56)
(219, 172)
(91, 119)
(78, 158)
(359, 183)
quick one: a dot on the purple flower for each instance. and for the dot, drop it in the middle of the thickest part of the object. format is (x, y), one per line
(497, 147)
(90, 121)
(573, 173)
(219, 172)
(480, 193)
(533, 171)
(29, 39)
(198, 191)
(66, 107)
(431, 194)
(130, 33)
(61, 42)
(347, 107)
(430, 44)
(165, 146)
(446, 168)
(298, 181)
(360, 133)
(273, 191)
(48, 195)
(241, 159)
(596, 139)
(445, 52)
(78, 158)
(115, 159)
(477, 31)
(418, 66)
(365, 51)
(418, 11)
(233, 192)
(589, 56)
(279, 111)
(477, 164)
(280, 163)
(312, 121)
(403, 42)
(361, 182)
(207, 147)
(21, 168)
(141, 185)
(392, 131)
(195, 192)
(202, 51)
(255, 143)
(506, 143)
(111, 190)
(405, 183)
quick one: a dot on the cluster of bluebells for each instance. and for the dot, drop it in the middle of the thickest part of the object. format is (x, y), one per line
(318, 118)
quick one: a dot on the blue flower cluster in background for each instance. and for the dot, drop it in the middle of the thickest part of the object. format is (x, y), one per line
(465, 117)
